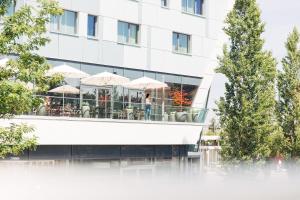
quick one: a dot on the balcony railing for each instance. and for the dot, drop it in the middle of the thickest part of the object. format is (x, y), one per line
(122, 110)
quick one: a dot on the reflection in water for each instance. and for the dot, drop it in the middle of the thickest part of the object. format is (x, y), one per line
(167, 179)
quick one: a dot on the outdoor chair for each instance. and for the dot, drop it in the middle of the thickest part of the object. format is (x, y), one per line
(41, 110)
(181, 116)
(85, 113)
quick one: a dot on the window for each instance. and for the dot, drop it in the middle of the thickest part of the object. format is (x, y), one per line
(128, 33)
(193, 6)
(181, 43)
(164, 3)
(66, 23)
(92, 26)
(11, 9)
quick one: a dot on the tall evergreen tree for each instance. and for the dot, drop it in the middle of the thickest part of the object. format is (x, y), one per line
(289, 94)
(247, 110)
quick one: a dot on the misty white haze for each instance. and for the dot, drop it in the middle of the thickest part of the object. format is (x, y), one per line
(93, 182)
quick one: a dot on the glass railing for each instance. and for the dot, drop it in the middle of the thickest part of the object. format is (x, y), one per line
(90, 108)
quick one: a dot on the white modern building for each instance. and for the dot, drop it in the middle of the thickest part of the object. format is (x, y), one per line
(173, 41)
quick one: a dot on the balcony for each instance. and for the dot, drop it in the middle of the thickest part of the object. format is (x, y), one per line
(57, 106)
(73, 121)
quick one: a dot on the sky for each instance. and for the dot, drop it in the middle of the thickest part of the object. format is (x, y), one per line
(280, 16)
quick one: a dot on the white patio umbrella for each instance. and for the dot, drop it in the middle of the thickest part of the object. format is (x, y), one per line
(67, 72)
(105, 79)
(65, 89)
(145, 83)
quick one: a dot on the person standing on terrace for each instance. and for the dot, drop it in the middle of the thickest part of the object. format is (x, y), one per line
(148, 107)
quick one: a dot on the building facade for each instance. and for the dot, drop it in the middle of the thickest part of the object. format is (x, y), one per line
(174, 41)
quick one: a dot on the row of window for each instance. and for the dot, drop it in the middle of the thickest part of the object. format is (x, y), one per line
(128, 33)
(188, 6)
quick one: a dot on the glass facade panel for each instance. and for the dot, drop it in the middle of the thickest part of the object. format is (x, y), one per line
(122, 103)
(198, 7)
(175, 42)
(190, 6)
(191, 81)
(171, 78)
(133, 30)
(92, 26)
(132, 74)
(150, 75)
(69, 22)
(89, 95)
(189, 92)
(184, 5)
(93, 69)
(119, 71)
(54, 23)
(122, 32)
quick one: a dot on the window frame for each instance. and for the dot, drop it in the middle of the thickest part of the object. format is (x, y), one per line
(177, 49)
(184, 9)
(59, 24)
(138, 30)
(164, 6)
(96, 26)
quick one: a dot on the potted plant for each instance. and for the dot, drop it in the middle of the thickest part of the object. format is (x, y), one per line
(85, 109)
(180, 99)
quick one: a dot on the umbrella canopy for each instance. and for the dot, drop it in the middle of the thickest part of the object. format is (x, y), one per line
(104, 79)
(67, 72)
(65, 89)
(145, 83)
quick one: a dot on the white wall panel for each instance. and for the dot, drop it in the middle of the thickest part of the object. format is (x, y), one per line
(110, 29)
(70, 47)
(52, 48)
(125, 10)
(135, 57)
(92, 55)
(70, 131)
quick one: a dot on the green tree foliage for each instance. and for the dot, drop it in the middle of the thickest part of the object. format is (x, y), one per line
(22, 35)
(289, 95)
(247, 110)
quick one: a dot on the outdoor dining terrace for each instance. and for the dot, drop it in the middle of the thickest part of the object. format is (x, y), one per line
(109, 95)
(105, 108)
